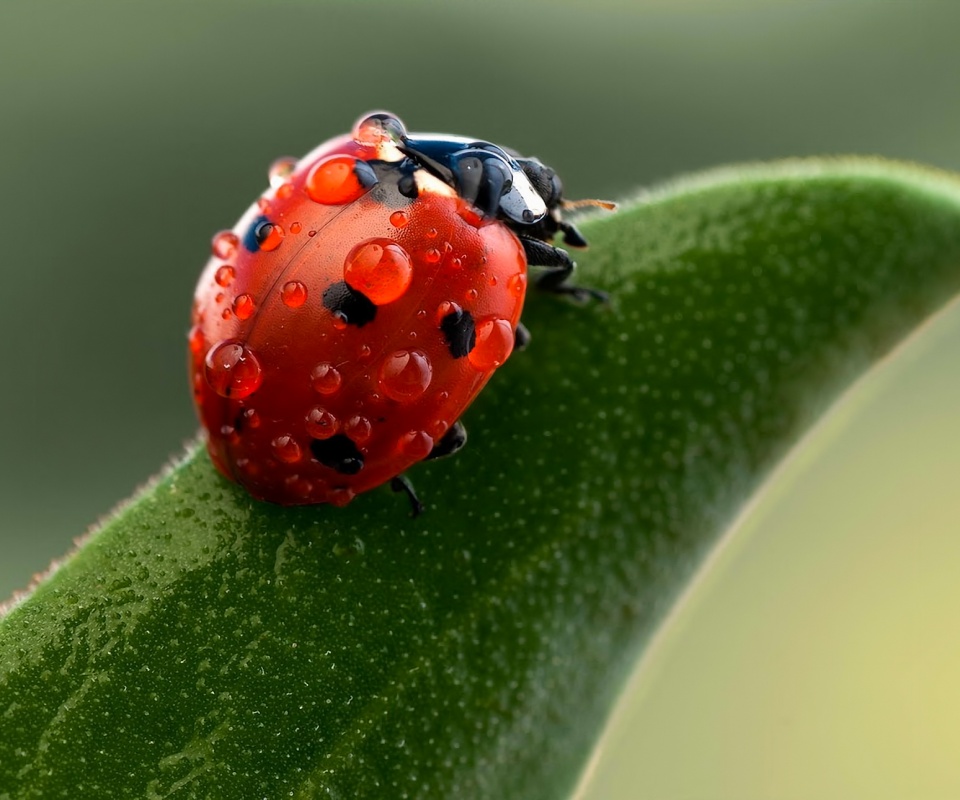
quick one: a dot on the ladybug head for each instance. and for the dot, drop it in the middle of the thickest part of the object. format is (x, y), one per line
(480, 172)
(544, 179)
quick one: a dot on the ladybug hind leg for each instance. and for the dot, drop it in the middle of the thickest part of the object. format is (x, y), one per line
(559, 267)
(451, 442)
(521, 337)
(402, 484)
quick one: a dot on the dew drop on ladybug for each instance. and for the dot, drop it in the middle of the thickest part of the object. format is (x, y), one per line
(325, 365)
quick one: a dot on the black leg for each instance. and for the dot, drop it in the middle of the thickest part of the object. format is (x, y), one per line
(402, 484)
(571, 236)
(452, 441)
(521, 337)
(559, 268)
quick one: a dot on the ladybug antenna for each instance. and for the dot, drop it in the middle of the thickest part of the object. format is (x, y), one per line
(604, 204)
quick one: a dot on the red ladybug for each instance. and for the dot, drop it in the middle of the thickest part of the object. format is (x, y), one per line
(358, 307)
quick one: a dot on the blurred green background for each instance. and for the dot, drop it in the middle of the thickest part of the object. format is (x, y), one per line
(132, 131)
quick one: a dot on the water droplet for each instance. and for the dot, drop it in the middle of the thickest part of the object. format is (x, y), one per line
(232, 370)
(244, 306)
(220, 297)
(432, 256)
(492, 280)
(251, 419)
(280, 170)
(446, 308)
(284, 190)
(415, 444)
(359, 429)
(298, 487)
(296, 227)
(286, 449)
(470, 295)
(196, 340)
(380, 269)
(431, 233)
(293, 294)
(517, 284)
(405, 375)
(333, 181)
(311, 233)
(339, 321)
(263, 204)
(225, 275)
(225, 244)
(364, 351)
(456, 262)
(268, 235)
(494, 344)
(399, 219)
(379, 128)
(438, 428)
(321, 424)
(325, 379)
(340, 496)
(227, 314)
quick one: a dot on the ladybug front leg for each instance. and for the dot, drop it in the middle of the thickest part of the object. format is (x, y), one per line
(559, 267)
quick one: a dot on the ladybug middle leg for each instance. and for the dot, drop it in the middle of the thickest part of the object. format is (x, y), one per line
(451, 442)
(559, 267)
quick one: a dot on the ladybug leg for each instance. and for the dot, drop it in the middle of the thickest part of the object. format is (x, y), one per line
(571, 236)
(452, 441)
(402, 484)
(559, 267)
(521, 337)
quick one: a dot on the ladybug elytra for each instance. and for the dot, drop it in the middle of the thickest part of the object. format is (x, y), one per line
(355, 311)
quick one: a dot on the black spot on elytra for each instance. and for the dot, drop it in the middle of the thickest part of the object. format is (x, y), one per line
(407, 185)
(459, 331)
(365, 173)
(339, 453)
(258, 231)
(354, 307)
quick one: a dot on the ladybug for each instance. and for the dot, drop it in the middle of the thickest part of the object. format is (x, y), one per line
(344, 325)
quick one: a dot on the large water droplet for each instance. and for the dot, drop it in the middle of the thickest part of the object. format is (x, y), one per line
(280, 170)
(196, 340)
(415, 444)
(286, 449)
(232, 370)
(225, 275)
(333, 181)
(225, 244)
(405, 375)
(321, 424)
(517, 284)
(293, 294)
(380, 269)
(494, 344)
(399, 219)
(325, 379)
(359, 429)
(244, 306)
(379, 128)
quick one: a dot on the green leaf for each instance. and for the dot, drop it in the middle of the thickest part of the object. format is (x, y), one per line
(203, 644)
